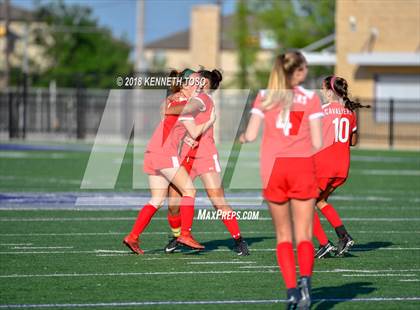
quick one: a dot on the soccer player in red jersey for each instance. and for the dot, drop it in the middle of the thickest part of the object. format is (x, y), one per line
(200, 158)
(292, 133)
(162, 164)
(333, 161)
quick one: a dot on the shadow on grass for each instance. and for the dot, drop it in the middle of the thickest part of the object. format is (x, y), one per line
(229, 243)
(328, 296)
(371, 246)
(214, 245)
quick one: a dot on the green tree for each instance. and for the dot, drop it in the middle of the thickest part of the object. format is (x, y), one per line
(295, 25)
(80, 51)
(246, 42)
(290, 24)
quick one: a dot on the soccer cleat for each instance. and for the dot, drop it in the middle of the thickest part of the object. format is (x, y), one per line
(171, 246)
(305, 293)
(344, 244)
(241, 247)
(190, 242)
(323, 251)
(133, 245)
(293, 297)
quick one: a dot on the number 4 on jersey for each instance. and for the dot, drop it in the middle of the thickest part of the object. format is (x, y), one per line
(291, 123)
(284, 123)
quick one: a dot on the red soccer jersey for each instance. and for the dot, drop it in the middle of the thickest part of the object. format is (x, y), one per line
(206, 147)
(166, 137)
(287, 137)
(337, 126)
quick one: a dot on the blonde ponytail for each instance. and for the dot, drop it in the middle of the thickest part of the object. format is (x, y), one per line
(279, 88)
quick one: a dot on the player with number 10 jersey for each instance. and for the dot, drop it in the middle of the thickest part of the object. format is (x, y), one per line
(333, 161)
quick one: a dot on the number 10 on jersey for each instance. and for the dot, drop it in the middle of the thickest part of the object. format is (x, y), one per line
(342, 129)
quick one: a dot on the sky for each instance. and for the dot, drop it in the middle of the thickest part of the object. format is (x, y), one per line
(162, 17)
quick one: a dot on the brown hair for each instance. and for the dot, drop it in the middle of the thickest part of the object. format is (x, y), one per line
(339, 87)
(214, 76)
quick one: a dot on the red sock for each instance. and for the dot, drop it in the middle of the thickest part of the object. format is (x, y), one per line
(175, 224)
(286, 262)
(187, 214)
(319, 232)
(174, 220)
(143, 219)
(305, 253)
(231, 224)
(331, 215)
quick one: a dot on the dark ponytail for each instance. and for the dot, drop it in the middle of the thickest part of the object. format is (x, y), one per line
(339, 87)
(214, 76)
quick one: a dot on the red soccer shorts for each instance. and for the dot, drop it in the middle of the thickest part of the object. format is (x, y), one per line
(198, 166)
(324, 183)
(292, 178)
(154, 162)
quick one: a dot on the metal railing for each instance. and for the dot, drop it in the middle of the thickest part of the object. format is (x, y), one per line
(76, 114)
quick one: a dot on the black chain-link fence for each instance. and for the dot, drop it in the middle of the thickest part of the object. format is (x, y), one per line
(76, 114)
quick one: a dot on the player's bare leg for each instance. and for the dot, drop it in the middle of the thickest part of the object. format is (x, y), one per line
(213, 184)
(159, 191)
(181, 180)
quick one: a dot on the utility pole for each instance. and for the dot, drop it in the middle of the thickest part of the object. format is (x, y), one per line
(140, 62)
(8, 47)
(25, 80)
(13, 111)
(220, 47)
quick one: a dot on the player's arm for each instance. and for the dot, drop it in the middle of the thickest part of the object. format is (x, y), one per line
(252, 129)
(354, 138)
(192, 106)
(163, 109)
(315, 125)
(195, 130)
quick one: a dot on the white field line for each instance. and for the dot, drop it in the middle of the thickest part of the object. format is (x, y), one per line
(11, 244)
(217, 250)
(41, 247)
(88, 219)
(409, 280)
(399, 172)
(113, 255)
(151, 258)
(340, 270)
(221, 262)
(110, 251)
(124, 274)
(380, 275)
(166, 233)
(200, 302)
(248, 200)
(237, 206)
(169, 273)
